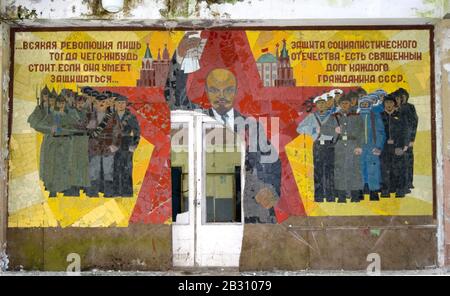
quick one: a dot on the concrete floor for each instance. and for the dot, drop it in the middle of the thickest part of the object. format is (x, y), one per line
(222, 272)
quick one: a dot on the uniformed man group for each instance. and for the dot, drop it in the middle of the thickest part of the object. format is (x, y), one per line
(363, 144)
(88, 142)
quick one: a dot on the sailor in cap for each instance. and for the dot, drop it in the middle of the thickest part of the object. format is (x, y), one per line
(323, 149)
(335, 95)
(338, 93)
(123, 158)
(330, 101)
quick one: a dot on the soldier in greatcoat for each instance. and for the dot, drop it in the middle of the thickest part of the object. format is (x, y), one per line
(79, 154)
(39, 113)
(59, 126)
(348, 135)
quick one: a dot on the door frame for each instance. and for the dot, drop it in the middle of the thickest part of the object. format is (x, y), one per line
(226, 235)
(201, 244)
(183, 248)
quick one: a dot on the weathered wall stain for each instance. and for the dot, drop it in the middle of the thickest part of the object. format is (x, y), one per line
(433, 6)
(205, 9)
(143, 262)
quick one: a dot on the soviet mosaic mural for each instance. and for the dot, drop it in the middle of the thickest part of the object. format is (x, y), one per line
(334, 123)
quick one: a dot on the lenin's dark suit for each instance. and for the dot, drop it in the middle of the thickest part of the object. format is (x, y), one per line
(258, 174)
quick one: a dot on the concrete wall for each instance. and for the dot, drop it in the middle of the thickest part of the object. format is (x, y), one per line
(298, 243)
(335, 243)
(299, 10)
(442, 90)
(138, 247)
(4, 94)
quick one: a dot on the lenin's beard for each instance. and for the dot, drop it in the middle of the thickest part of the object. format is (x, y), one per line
(222, 106)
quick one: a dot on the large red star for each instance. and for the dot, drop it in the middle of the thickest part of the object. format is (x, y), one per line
(231, 50)
(224, 49)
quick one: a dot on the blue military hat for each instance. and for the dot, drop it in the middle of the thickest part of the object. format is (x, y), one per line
(374, 98)
(380, 92)
(366, 99)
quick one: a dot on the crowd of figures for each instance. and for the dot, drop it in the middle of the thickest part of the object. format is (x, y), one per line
(88, 142)
(363, 144)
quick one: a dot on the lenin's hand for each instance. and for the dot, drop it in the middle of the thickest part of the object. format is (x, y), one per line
(358, 151)
(132, 148)
(187, 43)
(266, 198)
(411, 144)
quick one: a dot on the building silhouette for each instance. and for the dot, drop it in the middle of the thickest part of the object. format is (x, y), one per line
(153, 73)
(285, 73)
(267, 68)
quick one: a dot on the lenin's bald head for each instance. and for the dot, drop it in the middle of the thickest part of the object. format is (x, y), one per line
(221, 87)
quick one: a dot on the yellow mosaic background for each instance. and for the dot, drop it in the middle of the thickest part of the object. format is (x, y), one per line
(29, 205)
(417, 82)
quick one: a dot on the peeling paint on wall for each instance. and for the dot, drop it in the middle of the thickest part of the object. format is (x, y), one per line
(4, 260)
(432, 7)
(229, 9)
(447, 68)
